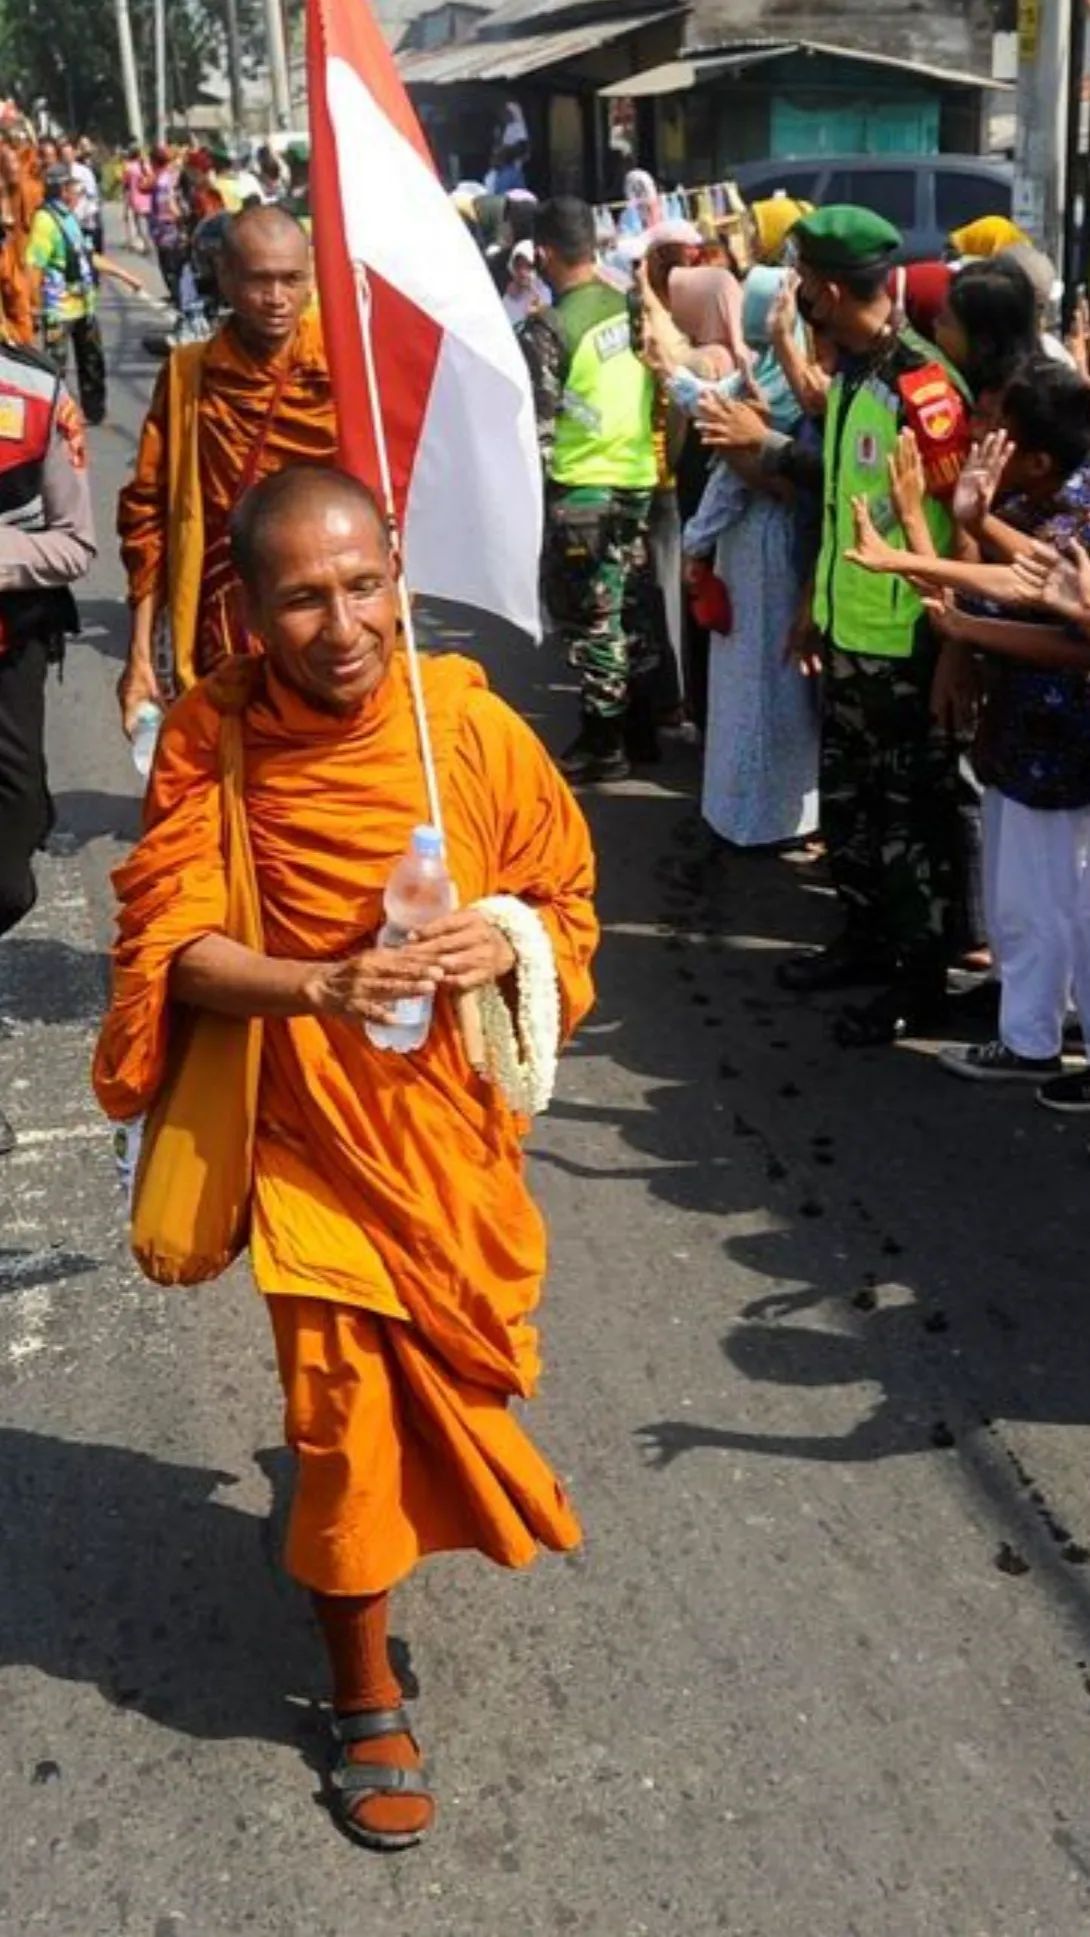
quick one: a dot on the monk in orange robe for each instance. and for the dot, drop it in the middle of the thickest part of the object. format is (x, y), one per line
(20, 196)
(225, 413)
(391, 1232)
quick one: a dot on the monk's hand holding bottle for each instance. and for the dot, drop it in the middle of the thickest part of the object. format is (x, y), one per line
(365, 987)
(470, 950)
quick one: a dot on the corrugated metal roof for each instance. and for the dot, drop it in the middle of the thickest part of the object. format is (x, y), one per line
(703, 62)
(506, 60)
(677, 77)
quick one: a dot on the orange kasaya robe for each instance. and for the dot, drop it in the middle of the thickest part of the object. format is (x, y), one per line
(21, 198)
(219, 420)
(392, 1228)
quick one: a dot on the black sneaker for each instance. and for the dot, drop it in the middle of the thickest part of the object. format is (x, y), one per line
(993, 1062)
(1070, 1094)
(7, 1136)
(598, 754)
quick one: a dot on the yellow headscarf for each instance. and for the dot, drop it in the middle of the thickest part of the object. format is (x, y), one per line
(986, 236)
(773, 220)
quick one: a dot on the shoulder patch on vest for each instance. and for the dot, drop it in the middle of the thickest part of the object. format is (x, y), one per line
(935, 411)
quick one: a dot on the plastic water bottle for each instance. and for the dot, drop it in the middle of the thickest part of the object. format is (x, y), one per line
(419, 890)
(149, 719)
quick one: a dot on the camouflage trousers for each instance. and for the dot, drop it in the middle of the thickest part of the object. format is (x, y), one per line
(890, 807)
(600, 589)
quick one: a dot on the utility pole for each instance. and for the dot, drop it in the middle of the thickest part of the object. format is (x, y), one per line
(1073, 269)
(160, 70)
(234, 64)
(128, 72)
(1040, 154)
(276, 49)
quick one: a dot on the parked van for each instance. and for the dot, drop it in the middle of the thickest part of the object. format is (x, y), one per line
(925, 196)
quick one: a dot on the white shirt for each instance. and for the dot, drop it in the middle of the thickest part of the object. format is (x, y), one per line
(90, 196)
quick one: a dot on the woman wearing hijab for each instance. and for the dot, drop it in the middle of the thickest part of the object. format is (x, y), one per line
(761, 743)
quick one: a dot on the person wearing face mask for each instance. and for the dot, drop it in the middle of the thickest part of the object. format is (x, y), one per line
(888, 772)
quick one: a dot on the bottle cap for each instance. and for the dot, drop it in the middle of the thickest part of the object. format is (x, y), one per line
(428, 842)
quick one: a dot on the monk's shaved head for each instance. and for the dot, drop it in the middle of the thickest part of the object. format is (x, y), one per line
(264, 277)
(304, 492)
(261, 229)
(318, 583)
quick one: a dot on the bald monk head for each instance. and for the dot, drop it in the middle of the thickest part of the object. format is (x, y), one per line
(312, 551)
(264, 274)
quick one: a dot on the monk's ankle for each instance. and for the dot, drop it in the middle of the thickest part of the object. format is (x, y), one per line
(387, 1815)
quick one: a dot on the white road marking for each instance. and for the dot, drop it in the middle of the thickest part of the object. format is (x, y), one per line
(63, 1133)
(33, 1307)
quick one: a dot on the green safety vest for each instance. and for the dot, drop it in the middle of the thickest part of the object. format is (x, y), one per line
(604, 432)
(870, 612)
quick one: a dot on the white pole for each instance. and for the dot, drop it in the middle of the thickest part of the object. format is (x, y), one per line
(160, 70)
(277, 55)
(128, 72)
(1040, 140)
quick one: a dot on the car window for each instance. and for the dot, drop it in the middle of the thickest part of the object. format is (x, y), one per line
(965, 198)
(888, 191)
(796, 182)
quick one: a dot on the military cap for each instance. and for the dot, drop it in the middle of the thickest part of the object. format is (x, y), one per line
(844, 237)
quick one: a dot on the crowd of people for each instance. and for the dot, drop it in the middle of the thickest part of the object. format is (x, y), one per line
(824, 515)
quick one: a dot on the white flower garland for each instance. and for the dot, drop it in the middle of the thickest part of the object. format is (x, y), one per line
(521, 1060)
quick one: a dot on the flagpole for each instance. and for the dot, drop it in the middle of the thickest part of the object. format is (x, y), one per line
(468, 1008)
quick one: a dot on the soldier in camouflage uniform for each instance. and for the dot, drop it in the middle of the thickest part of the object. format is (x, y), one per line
(888, 773)
(594, 402)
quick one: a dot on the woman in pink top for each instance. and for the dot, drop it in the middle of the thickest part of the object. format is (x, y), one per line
(136, 186)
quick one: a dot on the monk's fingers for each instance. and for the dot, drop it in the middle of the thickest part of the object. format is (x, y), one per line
(463, 921)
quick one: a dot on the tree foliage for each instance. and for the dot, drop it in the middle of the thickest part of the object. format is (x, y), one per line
(65, 53)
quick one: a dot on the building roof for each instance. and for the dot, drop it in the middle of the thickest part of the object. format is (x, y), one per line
(945, 33)
(696, 65)
(506, 60)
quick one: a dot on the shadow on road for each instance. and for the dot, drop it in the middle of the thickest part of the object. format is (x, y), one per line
(154, 1589)
(85, 815)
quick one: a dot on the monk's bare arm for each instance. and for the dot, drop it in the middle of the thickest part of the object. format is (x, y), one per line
(222, 975)
(142, 516)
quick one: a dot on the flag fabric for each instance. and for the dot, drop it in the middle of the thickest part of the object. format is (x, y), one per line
(456, 399)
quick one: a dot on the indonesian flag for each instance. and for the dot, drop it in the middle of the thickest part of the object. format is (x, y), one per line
(455, 392)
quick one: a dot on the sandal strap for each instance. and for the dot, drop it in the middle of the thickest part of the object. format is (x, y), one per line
(354, 1780)
(371, 1724)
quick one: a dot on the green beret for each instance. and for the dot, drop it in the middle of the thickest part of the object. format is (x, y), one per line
(843, 237)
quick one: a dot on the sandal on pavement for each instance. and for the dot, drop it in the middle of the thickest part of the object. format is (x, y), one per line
(351, 1783)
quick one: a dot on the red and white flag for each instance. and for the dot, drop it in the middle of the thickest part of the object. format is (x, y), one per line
(456, 398)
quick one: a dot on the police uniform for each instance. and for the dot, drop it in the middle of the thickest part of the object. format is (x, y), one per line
(595, 413)
(46, 542)
(888, 774)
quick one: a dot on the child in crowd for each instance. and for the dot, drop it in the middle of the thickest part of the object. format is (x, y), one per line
(1032, 747)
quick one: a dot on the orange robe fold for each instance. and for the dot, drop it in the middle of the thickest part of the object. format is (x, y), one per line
(389, 1191)
(253, 418)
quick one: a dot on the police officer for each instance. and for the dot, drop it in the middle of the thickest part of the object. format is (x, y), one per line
(888, 772)
(595, 405)
(46, 542)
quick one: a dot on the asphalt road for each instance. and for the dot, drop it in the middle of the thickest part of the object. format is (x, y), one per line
(818, 1378)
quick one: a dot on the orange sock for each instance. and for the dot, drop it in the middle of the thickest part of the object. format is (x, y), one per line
(354, 1627)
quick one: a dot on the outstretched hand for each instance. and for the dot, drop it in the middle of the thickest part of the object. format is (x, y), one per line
(869, 550)
(974, 493)
(907, 483)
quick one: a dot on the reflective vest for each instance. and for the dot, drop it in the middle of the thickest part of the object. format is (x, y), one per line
(604, 425)
(870, 612)
(30, 397)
